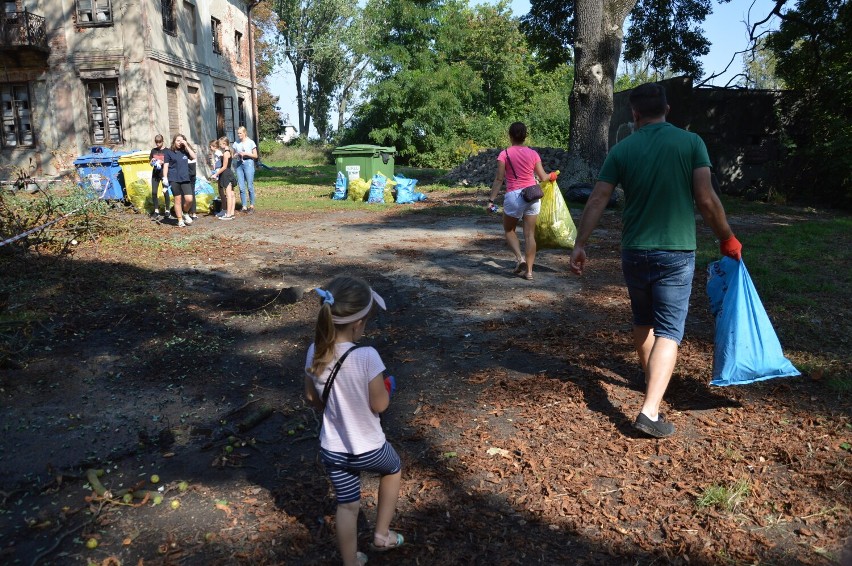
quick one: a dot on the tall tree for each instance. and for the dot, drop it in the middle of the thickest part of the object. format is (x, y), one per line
(355, 58)
(438, 68)
(665, 28)
(268, 115)
(304, 27)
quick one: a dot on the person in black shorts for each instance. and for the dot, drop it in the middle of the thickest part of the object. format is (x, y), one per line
(227, 179)
(176, 176)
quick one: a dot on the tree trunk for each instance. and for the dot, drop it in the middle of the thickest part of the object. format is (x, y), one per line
(300, 101)
(597, 48)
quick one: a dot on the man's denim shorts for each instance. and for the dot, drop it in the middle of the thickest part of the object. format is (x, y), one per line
(659, 283)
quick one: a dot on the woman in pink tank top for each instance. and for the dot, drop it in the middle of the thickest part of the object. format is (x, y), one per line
(519, 165)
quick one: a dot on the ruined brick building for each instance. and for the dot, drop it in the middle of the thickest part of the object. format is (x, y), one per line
(83, 73)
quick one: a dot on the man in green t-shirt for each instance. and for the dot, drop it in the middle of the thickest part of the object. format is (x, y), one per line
(663, 171)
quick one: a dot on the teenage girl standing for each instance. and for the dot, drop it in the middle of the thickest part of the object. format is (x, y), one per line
(347, 383)
(227, 179)
(176, 176)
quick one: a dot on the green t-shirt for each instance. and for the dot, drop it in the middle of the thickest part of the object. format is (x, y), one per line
(654, 166)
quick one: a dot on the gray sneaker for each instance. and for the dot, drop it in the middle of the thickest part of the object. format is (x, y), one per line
(226, 217)
(658, 429)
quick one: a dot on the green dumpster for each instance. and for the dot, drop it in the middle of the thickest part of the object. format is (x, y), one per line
(364, 161)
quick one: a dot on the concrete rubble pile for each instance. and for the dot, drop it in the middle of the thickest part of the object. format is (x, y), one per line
(481, 168)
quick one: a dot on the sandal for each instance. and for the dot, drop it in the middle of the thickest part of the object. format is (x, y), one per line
(521, 267)
(389, 542)
(528, 276)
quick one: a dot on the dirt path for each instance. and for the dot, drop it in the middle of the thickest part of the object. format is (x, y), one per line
(512, 415)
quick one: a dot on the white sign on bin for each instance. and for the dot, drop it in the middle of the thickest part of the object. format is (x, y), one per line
(353, 172)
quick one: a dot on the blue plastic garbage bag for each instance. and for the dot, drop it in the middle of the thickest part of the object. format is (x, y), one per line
(405, 192)
(746, 346)
(340, 186)
(377, 188)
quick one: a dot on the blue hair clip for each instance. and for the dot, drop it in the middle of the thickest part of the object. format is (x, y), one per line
(327, 297)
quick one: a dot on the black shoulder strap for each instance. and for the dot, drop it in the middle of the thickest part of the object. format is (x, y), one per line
(509, 162)
(327, 389)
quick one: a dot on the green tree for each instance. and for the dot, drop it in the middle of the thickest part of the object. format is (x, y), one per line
(268, 115)
(759, 68)
(813, 50)
(667, 29)
(307, 33)
(438, 69)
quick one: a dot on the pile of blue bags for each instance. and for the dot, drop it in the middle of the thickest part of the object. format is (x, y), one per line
(381, 189)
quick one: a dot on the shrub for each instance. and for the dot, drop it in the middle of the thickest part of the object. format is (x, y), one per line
(59, 216)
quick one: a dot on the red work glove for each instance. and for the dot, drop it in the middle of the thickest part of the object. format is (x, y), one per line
(553, 176)
(731, 248)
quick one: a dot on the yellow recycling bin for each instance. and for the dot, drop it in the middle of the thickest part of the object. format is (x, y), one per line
(136, 168)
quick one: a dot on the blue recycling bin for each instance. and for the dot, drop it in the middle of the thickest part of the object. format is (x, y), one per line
(100, 173)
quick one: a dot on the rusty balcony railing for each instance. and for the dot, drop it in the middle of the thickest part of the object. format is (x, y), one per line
(22, 29)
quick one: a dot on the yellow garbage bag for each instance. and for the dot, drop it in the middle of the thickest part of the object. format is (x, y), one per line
(139, 195)
(358, 190)
(554, 227)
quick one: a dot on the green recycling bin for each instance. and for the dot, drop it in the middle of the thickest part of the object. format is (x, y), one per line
(364, 161)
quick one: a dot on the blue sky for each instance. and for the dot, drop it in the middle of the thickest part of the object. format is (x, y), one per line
(724, 28)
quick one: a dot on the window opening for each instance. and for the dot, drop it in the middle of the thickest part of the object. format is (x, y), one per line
(191, 25)
(169, 17)
(17, 118)
(216, 28)
(104, 111)
(94, 12)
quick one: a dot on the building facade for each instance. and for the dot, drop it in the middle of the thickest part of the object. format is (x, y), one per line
(83, 73)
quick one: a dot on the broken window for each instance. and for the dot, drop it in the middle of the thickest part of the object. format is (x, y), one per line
(94, 12)
(241, 108)
(104, 111)
(224, 116)
(169, 17)
(216, 28)
(17, 119)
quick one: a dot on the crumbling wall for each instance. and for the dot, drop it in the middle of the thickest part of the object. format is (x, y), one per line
(740, 127)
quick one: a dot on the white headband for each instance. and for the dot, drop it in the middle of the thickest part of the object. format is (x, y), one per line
(327, 297)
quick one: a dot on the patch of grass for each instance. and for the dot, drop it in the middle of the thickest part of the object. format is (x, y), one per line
(781, 259)
(724, 497)
(841, 384)
(296, 155)
(319, 175)
(308, 198)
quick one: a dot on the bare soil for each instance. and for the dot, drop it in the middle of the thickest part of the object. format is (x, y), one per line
(178, 352)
